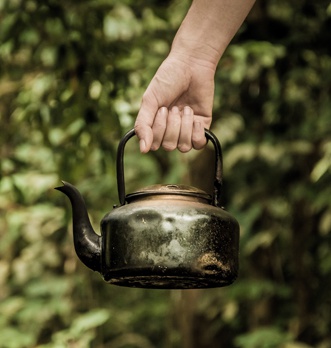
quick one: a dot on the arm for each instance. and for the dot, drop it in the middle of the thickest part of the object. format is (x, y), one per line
(177, 105)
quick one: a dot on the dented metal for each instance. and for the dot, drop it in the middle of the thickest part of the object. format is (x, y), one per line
(162, 236)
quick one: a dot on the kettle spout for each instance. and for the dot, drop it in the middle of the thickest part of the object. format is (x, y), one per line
(87, 242)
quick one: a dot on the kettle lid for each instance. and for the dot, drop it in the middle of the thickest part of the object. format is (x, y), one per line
(170, 190)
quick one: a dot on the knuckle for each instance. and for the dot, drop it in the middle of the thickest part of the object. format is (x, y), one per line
(168, 146)
(159, 124)
(198, 145)
(146, 97)
(138, 128)
(184, 147)
(155, 147)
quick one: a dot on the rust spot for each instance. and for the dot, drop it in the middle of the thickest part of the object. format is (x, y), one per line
(209, 264)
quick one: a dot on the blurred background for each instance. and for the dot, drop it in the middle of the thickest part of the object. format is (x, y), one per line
(72, 74)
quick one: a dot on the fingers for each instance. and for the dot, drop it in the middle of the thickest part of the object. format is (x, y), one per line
(198, 135)
(170, 139)
(185, 138)
(172, 129)
(159, 127)
(178, 129)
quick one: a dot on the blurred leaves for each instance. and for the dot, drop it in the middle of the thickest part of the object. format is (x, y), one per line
(81, 331)
(72, 75)
(262, 338)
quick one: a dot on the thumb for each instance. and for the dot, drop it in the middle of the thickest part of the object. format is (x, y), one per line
(145, 136)
(143, 127)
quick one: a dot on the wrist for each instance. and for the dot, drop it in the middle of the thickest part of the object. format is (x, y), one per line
(208, 28)
(196, 52)
(200, 38)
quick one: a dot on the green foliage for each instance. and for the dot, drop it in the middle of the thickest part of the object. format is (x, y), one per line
(80, 330)
(276, 126)
(72, 74)
(262, 338)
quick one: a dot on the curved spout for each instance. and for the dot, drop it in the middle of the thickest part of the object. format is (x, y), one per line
(86, 241)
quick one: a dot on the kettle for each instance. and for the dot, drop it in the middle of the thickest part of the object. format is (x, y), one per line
(162, 236)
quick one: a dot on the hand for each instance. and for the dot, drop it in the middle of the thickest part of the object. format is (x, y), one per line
(177, 105)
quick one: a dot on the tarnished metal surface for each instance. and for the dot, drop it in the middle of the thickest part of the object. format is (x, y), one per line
(156, 192)
(167, 243)
(87, 242)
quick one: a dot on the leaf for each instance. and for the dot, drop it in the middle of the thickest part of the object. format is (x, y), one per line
(321, 168)
(240, 152)
(260, 240)
(90, 320)
(264, 337)
(12, 337)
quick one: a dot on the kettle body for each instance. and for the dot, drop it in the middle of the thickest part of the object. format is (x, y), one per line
(162, 236)
(169, 241)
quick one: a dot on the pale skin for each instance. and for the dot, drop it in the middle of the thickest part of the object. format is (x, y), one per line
(177, 105)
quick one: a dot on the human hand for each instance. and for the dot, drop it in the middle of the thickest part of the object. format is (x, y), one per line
(177, 105)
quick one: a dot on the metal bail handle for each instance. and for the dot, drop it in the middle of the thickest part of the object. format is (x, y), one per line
(218, 180)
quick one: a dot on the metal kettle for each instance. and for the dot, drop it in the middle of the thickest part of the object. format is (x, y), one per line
(162, 236)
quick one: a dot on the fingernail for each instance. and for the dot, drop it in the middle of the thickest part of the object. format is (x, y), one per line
(175, 110)
(163, 111)
(187, 110)
(142, 146)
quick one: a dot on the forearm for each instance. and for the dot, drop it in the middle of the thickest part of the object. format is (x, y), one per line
(208, 28)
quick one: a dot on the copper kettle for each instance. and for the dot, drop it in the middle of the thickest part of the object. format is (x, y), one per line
(162, 236)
